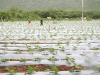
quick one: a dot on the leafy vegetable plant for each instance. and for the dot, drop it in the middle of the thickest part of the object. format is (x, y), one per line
(74, 47)
(17, 51)
(77, 66)
(56, 69)
(98, 68)
(68, 53)
(52, 59)
(31, 69)
(58, 44)
(71, 70)
(37, 59)
(52, 49)
(23, 60)
(95, 53)
(56, 52)
(4, 60)
(62, 48)
(11, 71)
(70, 59)
(68, 43)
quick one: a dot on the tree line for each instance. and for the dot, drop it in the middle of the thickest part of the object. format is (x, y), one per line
(15, 14)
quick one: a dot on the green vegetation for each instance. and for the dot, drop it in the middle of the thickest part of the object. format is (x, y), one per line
(16, 14)
(18, 52)
(31, 69)
(55, 69)
(4, 60)
(98, 68)
(11, 71)
(51, 59)
(37, 59)
(23, 60)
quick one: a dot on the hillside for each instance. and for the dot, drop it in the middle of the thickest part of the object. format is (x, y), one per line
(50, 4)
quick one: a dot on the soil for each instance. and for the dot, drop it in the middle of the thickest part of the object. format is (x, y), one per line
(95, 49)
(25, 50)
(41, 67)
(29, 59)
(64, 59)
(19, 60)
(37, 43)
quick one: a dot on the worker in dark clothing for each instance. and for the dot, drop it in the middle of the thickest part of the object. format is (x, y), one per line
(41, 21)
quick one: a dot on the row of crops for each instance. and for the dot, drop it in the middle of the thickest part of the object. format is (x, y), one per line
(67, 47)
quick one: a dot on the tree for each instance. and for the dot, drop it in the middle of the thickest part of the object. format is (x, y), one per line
(14, 9)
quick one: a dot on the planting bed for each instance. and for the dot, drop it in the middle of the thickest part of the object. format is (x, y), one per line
(65, 48)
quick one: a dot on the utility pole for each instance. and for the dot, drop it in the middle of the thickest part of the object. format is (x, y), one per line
(82, 11)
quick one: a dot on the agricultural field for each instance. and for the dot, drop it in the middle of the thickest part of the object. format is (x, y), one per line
(63, 48)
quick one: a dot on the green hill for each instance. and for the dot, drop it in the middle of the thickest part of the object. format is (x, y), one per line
(50, 4)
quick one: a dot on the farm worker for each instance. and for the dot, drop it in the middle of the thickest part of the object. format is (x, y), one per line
(29, 21)
(41, 21)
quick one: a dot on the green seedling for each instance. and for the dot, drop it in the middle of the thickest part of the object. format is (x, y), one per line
(37, 59)
(95, 53)
(74, 47)
(98, 67)
(18, 52)
(99, 45)
(89, 44)
(29, 49)
(78, 38)
(52, 49)
(31, 69)
(31, 52)
(62, 48)
(55, 69)
(68, 53)
(46, 52)
(23, 60)
(71, 70)
(4, 60)
(56, 52)
(58, 44)
(51, 59)
(55, 34)
(51, 35)
(37, 47)
(85, 38)
(11, 71)
(77, 66)
(68, 43)
(5, 45)
(70, 59)
(5, 52)
(71, 38)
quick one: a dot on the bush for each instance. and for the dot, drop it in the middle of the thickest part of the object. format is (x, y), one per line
(13, 19)
(78, 19)
(88, 19)
(71, 19)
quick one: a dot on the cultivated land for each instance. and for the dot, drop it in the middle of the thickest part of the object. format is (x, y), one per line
(64, 48)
